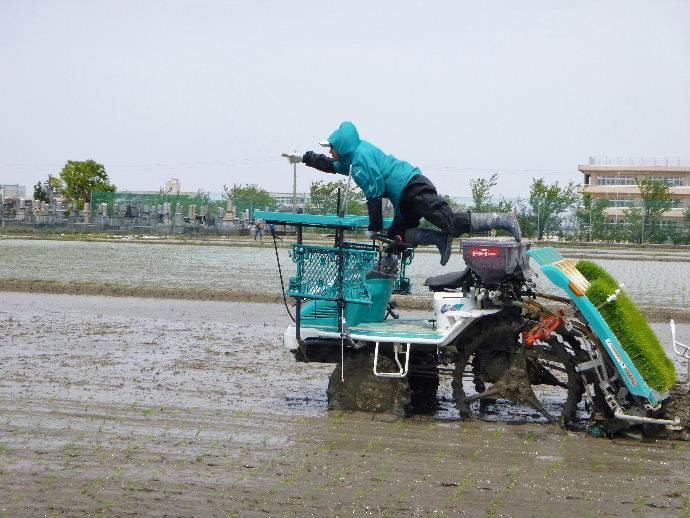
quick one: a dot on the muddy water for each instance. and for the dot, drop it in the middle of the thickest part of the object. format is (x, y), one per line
(650, 283)
(122, 406)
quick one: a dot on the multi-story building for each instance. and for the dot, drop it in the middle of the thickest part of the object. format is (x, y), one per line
(172, 186)
(614, 180)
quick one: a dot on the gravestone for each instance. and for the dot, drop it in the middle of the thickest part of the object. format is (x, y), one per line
(178, 219)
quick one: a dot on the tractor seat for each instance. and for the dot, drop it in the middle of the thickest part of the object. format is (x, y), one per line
(449, 281)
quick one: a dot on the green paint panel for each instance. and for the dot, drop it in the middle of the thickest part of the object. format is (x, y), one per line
(403, 329)
(316, 220)
(546, 255)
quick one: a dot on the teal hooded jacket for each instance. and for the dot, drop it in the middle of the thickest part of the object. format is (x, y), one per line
(378, 175)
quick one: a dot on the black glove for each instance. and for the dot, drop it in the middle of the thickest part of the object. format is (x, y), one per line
(397, 247)
(321, 162)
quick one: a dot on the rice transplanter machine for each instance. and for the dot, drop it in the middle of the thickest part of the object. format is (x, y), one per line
(491, 329)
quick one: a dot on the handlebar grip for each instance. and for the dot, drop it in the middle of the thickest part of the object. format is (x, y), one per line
(384, 239)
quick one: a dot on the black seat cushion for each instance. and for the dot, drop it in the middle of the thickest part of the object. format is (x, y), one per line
(448, 280)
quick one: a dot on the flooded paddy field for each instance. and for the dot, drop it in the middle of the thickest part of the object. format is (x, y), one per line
(127, 406)
(662, 281)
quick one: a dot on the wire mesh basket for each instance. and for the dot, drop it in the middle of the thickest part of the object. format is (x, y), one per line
(319, 277)
(402, 285)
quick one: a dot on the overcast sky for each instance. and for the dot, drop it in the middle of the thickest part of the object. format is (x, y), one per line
(213, 91)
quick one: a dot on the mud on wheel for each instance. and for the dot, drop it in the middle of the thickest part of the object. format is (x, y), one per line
(363, 391)
(424, 381)
(497, 358)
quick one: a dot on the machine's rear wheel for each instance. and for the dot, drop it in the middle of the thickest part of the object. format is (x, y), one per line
(424, 381)
(492, 335)
(363, 391)
(499, 360)
(554, 364)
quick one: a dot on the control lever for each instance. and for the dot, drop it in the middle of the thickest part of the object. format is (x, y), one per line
(393, 246)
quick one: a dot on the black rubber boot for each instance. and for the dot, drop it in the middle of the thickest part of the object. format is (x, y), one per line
(496, 220)
(427, 236)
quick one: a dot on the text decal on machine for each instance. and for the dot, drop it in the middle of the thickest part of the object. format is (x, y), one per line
(485, 252)
(621, 362)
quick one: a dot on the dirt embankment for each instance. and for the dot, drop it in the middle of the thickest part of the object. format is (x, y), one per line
(657, 314)
(143, 291)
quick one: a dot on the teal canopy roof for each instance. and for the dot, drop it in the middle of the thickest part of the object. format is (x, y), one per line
(317, 220)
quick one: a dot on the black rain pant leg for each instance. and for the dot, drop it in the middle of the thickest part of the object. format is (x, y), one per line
(420, 200)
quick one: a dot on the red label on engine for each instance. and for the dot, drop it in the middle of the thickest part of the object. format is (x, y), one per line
(485, 252)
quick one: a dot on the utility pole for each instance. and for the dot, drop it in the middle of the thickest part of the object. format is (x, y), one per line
(642, 240)
(294, 187)
(591, 199)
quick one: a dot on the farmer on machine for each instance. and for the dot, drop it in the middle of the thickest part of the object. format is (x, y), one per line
(412, 194)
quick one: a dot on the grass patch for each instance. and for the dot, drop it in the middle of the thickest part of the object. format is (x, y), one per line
(93, 485)
(72, 450)
(630, 327)
(465, 485)
(685, 510)
(553, 467)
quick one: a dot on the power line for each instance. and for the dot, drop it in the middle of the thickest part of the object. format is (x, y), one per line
(159, 165)
(498, 170)
(437, 168)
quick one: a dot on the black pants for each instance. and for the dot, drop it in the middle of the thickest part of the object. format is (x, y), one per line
(420, 200)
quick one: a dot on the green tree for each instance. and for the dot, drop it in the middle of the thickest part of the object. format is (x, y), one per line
(41, 191)
(78, 178)
(683, 236)
(680, 234)
(548, 202)
(634, 220)
(323, 198)
(55, 183)
(591, 216)
(503, 205)
(249, 197)
(524, 217)
(481, 192)
(656, 199)
(483, 200)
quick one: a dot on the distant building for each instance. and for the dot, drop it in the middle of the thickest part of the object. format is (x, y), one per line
(285, 198)
(614, 179)
(12, 191)
(172, 186)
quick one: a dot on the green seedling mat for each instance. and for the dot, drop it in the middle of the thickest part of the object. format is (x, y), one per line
(630, 327)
